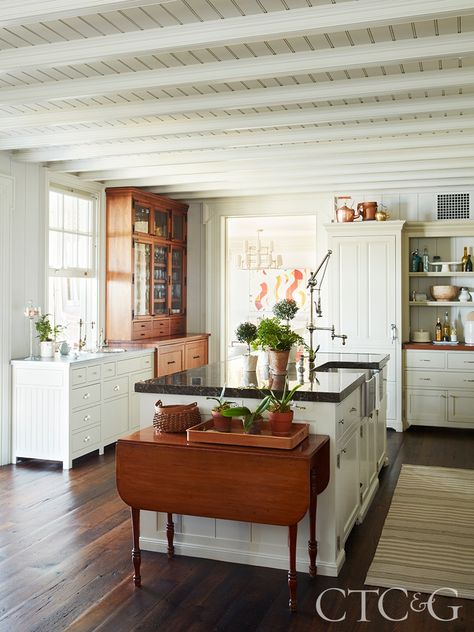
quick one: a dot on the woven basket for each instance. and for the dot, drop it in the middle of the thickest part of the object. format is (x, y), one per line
(177, 418)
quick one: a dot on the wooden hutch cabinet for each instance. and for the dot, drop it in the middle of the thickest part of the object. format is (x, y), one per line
(146, 265)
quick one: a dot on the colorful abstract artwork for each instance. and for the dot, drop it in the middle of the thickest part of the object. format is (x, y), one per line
(267, 287)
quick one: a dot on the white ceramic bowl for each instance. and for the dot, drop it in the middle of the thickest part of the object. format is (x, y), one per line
(444, 292)
(420, 335)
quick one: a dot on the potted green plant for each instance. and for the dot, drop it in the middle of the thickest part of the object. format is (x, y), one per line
(285, 310)
(221, 423)
(251, 419)
(278, 339)
(247, 332)
(47, 335)
(280, 414)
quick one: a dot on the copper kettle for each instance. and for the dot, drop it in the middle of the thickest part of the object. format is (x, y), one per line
(346, 213)
(367, 210)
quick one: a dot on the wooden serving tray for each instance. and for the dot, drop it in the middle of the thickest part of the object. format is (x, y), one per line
(205, 433)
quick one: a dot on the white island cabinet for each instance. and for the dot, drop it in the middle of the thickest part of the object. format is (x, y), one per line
(357, 453)
(65, 407)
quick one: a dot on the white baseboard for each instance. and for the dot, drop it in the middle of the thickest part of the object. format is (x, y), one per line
(395, 425)
(244, 557)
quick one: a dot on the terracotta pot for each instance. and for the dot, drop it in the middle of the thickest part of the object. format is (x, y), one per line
(280, 423)
(221, 423)
(278, 361)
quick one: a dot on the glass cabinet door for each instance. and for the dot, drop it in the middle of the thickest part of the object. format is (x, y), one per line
(177, 226)
(177, 280)
(160, 281)
(141, 218)
(141, 287)
(160, 223)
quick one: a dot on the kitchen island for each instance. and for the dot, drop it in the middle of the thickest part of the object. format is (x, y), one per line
(334, 401)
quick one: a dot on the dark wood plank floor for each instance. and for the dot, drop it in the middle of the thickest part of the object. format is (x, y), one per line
(65, 560)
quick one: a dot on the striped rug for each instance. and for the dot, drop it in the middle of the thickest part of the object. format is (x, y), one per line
(427, 540)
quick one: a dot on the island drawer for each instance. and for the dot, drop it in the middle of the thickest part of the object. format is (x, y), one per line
(85, 396)
(348, 414)
(78, 376)
(116, 387)
(132, 365)
(85, 439)
(85, 417)
(108, 370)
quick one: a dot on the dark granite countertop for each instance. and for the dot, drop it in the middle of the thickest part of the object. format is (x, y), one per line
(325, 386)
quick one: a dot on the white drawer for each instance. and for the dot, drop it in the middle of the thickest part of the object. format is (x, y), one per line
(93, 373)
(425, 359)
(86, 417)
(85, 439)
(146, 362)
(128, 366)
(85, 396)
(116, 388)
(348, 414)
(439, 379)
(108, 370)
(461, 360)
(78, 376)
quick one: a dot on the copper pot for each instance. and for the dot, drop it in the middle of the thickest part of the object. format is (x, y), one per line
(367, 210)
(346, 214)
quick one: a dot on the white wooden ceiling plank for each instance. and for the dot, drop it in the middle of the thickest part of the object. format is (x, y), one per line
(349, 57)
(246, 121)
(32, 11)
(267, 137)
(461, 141)
(334, 91)
(273, 26)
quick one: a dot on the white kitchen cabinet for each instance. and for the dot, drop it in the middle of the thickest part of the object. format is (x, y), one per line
(439, 388)
(347, 486)
(365, 295)
(64, 408)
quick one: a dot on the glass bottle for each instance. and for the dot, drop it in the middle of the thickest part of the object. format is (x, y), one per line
(426, 260)
(415, 261)
(454, 335)
(438, 331)
(464, 259)
(468, 267)
(446, 328)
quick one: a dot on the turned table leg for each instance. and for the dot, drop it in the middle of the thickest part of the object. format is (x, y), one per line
(170, 535)
(292, 532)
(136, 553)
(312, 544)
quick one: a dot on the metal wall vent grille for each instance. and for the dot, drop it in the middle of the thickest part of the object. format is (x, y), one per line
(453, 206)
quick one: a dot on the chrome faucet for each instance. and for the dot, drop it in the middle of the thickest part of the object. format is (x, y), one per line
(82, 341)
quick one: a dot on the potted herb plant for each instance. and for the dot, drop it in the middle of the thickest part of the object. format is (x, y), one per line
(278, 339)
(247, 332)
(221, 423)
(251, 419)
(47, 335)
(280, 415)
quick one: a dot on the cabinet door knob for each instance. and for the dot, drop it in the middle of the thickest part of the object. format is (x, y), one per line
(116, 387)
(87, 417)
(87, 438)
(341, 421)
(86, 396)
(353, 410)
(343, 451)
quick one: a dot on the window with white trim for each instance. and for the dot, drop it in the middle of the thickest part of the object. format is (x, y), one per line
(72, 264)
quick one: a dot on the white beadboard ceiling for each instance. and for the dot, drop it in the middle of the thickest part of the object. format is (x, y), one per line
(205, 98)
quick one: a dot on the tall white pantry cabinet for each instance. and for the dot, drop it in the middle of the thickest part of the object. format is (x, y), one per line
(365, 280)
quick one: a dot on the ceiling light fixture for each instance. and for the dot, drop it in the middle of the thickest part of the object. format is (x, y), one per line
(257, 256)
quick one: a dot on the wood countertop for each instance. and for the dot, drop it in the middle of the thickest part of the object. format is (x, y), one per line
(428, 346)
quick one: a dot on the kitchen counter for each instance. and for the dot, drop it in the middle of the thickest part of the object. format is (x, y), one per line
(335, 377)
(429, 346)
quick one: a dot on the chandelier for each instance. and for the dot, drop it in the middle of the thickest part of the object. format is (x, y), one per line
(257, 256)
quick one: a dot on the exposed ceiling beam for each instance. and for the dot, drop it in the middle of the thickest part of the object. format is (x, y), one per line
(455, 184)
(341, 58)
(15, 13)
(329, 183)
(143, 176)
(236, 122)
(230, 31)
(438, 144)
(273, 137)
(303, 93)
